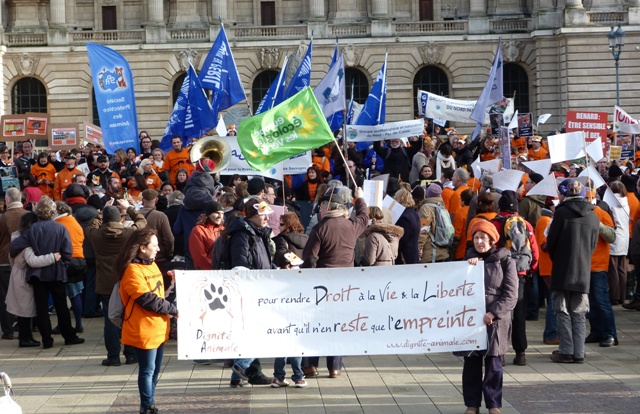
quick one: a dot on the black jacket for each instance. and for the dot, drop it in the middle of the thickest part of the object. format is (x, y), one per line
(573, 235)
(249, 244)
(408, 245)
(397, 161)
(288, 242)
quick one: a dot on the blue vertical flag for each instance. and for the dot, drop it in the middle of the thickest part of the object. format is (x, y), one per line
(220, 75)
(192, 116)
(375, 107)
(491, 93)
(330, 92)
(275, 94)
(113, 89)
(302, 78)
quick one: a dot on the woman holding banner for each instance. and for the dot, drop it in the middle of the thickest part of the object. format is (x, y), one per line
(501, 295)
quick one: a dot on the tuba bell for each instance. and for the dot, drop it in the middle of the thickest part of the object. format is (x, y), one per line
(213, 148)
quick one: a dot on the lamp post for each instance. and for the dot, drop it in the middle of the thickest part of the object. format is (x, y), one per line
(615, 46)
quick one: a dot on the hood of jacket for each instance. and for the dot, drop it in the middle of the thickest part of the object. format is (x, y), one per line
(389, 231)
(112, 230)
(578, 205)
(198, 191)
(85, 214)
(297, 240)
(240, 224)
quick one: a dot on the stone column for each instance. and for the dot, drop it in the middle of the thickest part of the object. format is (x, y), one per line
(478, 20)
(3, 92)
(380, 8)
(57, 13)
(156, 30)
(317, 18)
(634, 11)
(380, 22)
(548, 16)
(218, 11)
(574, 13)
(57, 33)
(70, 13)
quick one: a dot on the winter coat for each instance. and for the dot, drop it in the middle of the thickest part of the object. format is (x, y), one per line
(108, 239)
(46, 237)
(620, 246)
(178, 239)
(397, 161)
(501, 296)
(288, 242)
(160, 223)
(249, 245)
(199, 191)
(9, 222)
(381, 244)
(530, 208)
(20, 301)
(332, 241)
(85, 215)
(201, 241)
(571, 240)
(408, 245)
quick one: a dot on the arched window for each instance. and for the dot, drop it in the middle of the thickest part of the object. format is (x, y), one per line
(28, 95)
(430, 79)
(360, 85)
(175, 90)
(260, 86)
(94, 108)
(516, 80)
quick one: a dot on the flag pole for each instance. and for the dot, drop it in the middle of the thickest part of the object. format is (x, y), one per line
(344, 134)
(384, 85)
(346, 166)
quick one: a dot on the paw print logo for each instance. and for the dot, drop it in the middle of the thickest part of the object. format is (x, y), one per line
(216, 297)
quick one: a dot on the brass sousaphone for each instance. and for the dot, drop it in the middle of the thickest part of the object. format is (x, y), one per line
(213, 148)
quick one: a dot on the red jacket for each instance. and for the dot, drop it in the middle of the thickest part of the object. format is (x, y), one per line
(201, 244)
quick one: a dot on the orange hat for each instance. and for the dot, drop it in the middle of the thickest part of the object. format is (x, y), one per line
(487, 228)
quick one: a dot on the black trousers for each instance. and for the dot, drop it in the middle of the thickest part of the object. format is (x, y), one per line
(519, 324)
(474, 386)
(41, 292)
(6, 319)
(334, 363)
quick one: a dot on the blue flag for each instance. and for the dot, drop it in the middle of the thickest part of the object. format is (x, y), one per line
(491, 93)
(275, 94)
(113, 88)
(220, 75)
(192, 116)
(350, 107)
(375, 107)
(302, 78)
(330, 92)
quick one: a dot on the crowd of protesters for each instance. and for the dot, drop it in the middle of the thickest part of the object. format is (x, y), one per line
(84, 220)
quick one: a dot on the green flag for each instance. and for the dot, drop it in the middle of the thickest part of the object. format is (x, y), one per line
(295, 126)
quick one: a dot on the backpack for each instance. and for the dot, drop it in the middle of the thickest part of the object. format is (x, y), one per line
(443, 232)
(221, 257)
(515, 238)
(116, 307)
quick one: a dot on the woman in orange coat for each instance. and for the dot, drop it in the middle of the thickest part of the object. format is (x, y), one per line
(45, 174)
(146, 315)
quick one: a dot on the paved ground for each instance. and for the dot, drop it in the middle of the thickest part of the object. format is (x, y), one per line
(71, 380)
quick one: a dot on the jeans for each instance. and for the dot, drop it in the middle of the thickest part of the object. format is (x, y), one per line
(571, 308)
(89, 299)
(112, 335)
(550, 324)
(601, 316)
(296, 366)
(149, 364)
(242, 363)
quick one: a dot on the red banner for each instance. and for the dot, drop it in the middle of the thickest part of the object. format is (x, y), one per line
(594, 125)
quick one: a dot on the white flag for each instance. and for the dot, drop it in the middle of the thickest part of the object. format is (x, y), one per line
(330, 92)
(624, 123)
(611, 198)
(567, 146)
(493, 166)
(541, 167)
(546, 187)
(507, 180)
(543, 118)
(592, 173)
(221, 128)
(595, 150)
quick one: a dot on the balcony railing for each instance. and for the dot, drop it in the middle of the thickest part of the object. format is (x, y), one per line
(188, 35)
(510, 25)
(108, 36)
(447, 26)
(350, 30)
(272, 32)
(25, 39)
(607, 18)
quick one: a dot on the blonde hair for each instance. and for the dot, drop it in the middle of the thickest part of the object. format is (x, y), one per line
(404, 197)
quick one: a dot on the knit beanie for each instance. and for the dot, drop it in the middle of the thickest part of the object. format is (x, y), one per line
(487, 228)
(111, 214)
(508, 202)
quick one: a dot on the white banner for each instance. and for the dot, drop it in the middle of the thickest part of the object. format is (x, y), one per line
(391, 130)
(409, 309)
(624, 123)
(435, 106)
(239, 165)
(297, 164)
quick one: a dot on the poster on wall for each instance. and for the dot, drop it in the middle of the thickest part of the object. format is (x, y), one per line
(64, 136)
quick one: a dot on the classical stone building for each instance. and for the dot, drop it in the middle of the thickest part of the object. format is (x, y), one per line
(555, 51)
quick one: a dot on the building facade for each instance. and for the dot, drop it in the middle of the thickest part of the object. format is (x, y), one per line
(555, 51)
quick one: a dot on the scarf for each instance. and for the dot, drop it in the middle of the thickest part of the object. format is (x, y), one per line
(441, 161)
(142, 261)
(76, 200)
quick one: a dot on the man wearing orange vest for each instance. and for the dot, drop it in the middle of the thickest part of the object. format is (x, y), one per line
(65, 176)
(177, 158)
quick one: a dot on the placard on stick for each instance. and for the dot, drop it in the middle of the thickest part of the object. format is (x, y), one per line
(64, 136)
(14, 127)
(92, 133)
(37, 125)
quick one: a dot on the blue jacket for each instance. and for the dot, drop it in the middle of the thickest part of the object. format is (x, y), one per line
(46, 237)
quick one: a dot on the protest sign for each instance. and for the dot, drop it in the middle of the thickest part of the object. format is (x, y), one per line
(594, 125)
(505, 147)
(14, 127)
(435, 106)
(64, 136)
(238, 163)
(525, 125)
(391, 130)
(394, 207)
(297, 164)
(569, 146)
(624, 123)
(373, 191)
(37, 125)
(415, 309)
(92, 134)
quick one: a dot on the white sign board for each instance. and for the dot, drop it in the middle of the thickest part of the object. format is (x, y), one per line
(391, 130)
(414, 309)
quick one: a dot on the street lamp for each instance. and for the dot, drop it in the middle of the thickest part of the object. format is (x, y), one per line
(615, 46)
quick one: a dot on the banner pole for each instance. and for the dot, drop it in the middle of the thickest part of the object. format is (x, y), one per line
(346, 166)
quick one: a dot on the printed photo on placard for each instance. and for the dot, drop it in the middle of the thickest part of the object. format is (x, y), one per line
(525, 125)
(496, 121)
(64, 137)
(92, 134)
(37, 124)
(626, 142)
(13, 127)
